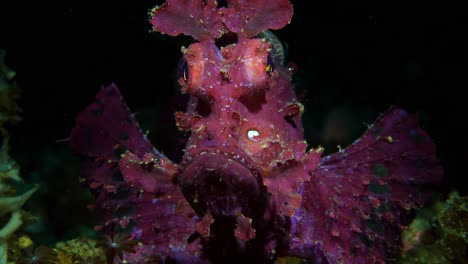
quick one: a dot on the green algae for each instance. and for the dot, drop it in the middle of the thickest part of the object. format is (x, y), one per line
(12, 217)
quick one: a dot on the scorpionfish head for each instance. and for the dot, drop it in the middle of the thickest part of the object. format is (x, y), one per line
(244, 121)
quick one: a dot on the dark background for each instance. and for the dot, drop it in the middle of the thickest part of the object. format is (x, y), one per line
(354, 59)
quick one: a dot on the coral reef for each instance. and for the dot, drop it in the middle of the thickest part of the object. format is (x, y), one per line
(438, 234)
(75, 251)
(12, 217)
(15, 245)
(115, 246)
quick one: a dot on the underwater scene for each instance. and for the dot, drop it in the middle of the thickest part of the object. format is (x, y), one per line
(260, 131)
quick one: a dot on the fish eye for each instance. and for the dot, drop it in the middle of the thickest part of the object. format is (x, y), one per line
(183, 70)
(277, 53)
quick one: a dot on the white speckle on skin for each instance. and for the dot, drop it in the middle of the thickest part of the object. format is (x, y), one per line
(253, 134)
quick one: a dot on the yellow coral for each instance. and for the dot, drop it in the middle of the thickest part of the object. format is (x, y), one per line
(79, 248)
(24, 241)
(63, 257)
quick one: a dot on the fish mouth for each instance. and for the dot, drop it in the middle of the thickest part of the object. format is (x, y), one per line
(221, 183)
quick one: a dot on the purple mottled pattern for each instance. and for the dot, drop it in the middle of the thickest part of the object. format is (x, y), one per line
(356, 199)
(248, 188)
(134, 193)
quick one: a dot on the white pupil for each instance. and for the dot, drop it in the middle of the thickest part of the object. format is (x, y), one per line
(253, 134)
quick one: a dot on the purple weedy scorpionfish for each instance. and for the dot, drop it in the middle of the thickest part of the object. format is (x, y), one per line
(248, 187)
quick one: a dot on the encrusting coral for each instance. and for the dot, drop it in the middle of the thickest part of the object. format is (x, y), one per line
(116, 245)
(438, 234)
(75, 251)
